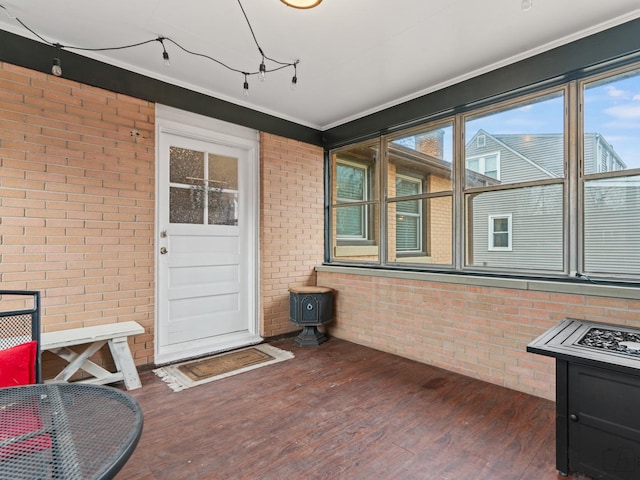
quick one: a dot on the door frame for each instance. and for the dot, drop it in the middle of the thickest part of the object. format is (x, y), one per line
(191, 125)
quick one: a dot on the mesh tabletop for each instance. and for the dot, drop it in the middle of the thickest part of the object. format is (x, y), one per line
(66, 431)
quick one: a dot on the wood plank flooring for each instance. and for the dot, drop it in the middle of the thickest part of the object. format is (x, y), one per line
(343, 411)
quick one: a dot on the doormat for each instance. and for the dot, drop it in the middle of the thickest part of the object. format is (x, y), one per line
(188, 374)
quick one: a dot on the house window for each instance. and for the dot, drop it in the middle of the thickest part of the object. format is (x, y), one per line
(351, 187)
(500, 232)
(408, 215)
(487, 165)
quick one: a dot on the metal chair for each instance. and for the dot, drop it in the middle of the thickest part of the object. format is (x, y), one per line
(20, 322)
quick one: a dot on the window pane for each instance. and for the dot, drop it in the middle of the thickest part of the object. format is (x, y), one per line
(612, 124)
(186, 205)
(408, 233)
(612, 225)
(354, 243)
(536, 228)
(425, 155)
(186, 166)
(355, 228)
(351, 181)
(351, 222)
(426, 238)
(522, 143)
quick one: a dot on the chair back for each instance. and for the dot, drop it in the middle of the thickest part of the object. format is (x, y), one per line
(20, 321)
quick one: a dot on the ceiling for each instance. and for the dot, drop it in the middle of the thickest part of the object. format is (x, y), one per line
(356, 56)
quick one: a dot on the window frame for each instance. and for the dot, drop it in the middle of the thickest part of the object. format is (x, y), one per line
(420, 246)
(482, 163)
(492, 233)
(572, 180)
(365, 237)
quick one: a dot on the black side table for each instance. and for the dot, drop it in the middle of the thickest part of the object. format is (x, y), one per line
(310, 307)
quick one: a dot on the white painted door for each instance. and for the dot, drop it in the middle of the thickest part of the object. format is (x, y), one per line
(206, 248)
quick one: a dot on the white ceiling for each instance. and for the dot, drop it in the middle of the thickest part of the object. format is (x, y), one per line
(356, 56)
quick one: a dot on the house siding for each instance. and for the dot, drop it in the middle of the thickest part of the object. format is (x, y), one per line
(537, 228)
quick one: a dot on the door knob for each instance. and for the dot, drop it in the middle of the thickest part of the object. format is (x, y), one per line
(573, 417)
(163, 250)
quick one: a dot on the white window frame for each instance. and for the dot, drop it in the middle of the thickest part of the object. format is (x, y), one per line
(418, 215)
(482, 167)
(492, 219)
(365, 195)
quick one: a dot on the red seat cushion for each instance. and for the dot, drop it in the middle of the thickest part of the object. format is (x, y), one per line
(16, 420)
(18, 365)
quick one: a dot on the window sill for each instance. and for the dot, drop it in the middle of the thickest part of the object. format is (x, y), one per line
(575, 288)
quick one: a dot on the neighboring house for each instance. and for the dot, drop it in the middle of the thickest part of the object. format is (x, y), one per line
(507, 228)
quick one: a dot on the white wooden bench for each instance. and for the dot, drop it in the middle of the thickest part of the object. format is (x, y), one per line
(115, 334)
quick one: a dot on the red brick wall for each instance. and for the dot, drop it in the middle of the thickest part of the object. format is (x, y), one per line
(77, 201)
(481, 332)
(291, 225)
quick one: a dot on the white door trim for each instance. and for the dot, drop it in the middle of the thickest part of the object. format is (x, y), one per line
(178, 122)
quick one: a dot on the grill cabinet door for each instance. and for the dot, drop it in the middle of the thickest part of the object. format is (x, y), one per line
(604, 423)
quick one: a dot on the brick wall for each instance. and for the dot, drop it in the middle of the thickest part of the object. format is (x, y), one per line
(481, 332)
(291, 225)
(77, 201)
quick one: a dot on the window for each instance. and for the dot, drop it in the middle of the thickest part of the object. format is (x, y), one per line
(524, 178)
(487, 165)
(419, 192)
(500, 232)
(354, 206)
(611, 174)
(408, 215)
(542, 185)
(352, 187)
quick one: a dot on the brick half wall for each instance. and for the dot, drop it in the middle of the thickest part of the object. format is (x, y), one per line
(478, 331)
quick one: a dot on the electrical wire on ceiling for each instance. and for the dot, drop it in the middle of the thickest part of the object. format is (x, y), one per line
(262, 70)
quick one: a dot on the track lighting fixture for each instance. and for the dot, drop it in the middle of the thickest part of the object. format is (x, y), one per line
(263, 69)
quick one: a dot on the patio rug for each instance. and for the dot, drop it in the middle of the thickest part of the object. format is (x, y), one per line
(180, 376)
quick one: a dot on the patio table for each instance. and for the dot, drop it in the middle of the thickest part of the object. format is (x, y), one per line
(66, 431)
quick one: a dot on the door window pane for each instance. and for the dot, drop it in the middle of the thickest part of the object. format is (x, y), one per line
(187, 198)
(222, 190)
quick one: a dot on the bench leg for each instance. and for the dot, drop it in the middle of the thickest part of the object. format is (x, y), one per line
(124, 362)
(76, 360)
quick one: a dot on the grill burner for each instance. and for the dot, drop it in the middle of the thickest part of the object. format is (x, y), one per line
(612, 340)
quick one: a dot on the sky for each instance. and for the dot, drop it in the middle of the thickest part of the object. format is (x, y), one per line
(611, 109)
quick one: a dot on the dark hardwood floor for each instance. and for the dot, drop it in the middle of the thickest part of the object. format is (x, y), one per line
(342, 411)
